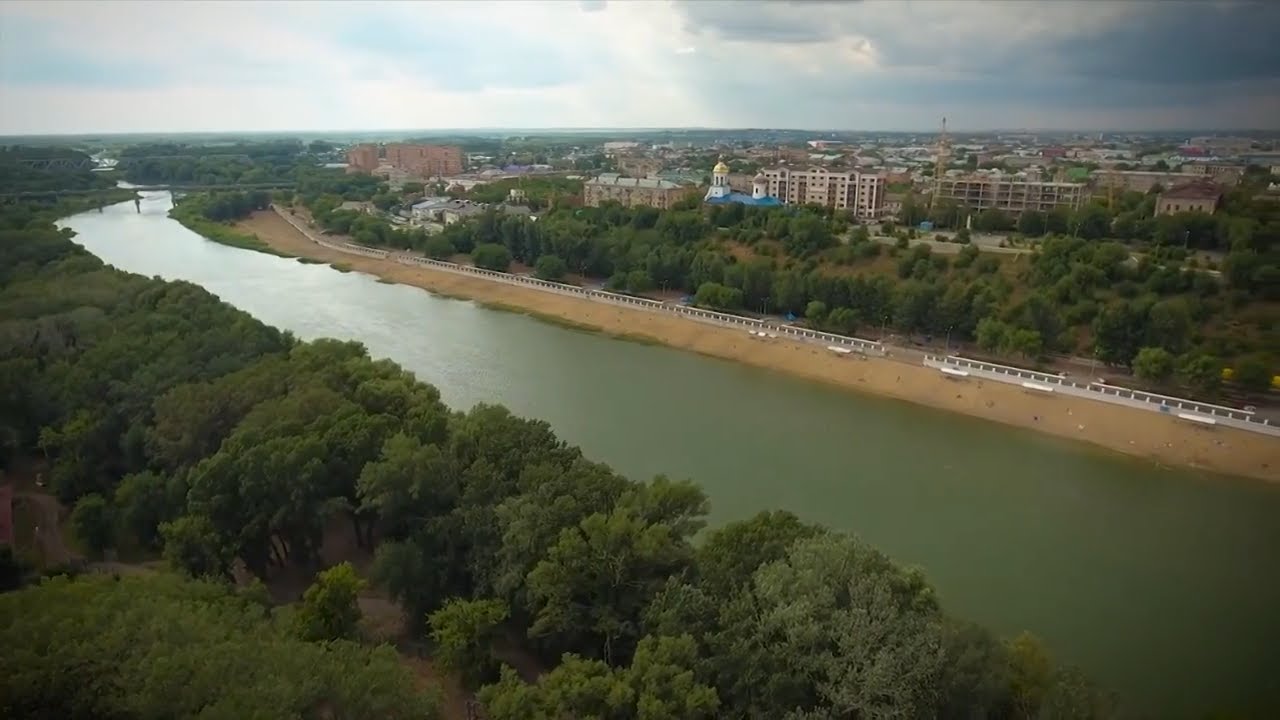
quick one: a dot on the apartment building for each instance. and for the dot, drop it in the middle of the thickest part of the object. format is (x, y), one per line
(425, 160)
(982, 192)
(857, 192)
(362, 158)
(633, 192)
(1224, 173)
(1222, 146)
(635, 166)
(1140, 180)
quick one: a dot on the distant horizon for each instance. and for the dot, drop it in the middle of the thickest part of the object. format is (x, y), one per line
(598, 130)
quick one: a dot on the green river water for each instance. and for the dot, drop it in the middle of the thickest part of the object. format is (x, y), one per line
(1161, 584)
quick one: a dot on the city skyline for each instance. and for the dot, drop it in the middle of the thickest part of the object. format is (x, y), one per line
(279, 67)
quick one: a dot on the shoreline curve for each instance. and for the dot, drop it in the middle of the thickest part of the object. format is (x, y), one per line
(1130, 431)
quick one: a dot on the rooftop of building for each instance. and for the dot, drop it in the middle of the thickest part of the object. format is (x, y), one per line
(744, 199)
(785, 169)
(431, 203)
(1135, 173)
(1012, 180)
(616, 180)
(1193, 191)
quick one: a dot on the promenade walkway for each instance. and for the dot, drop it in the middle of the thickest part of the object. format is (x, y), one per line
(1203, 414)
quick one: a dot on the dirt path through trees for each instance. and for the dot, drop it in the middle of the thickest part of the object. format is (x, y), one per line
(46, 526)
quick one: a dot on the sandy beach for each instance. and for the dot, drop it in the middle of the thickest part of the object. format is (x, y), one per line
(1161, 439)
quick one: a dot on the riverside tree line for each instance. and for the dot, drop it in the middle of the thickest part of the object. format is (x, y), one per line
(1170, 324)
(173, 422)
(1174, 322)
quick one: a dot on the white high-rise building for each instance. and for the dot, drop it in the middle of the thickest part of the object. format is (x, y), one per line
(860, 193)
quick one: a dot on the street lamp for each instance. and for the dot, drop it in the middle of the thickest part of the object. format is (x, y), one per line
(948, 345)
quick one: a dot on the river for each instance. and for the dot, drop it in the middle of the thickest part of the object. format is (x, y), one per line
(1161, 584)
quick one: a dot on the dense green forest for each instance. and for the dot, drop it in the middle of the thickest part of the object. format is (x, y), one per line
(158, 646)
(174, 422)
(240, 162)
(63, 189)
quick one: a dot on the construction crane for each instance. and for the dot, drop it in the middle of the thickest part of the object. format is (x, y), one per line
(939, 165)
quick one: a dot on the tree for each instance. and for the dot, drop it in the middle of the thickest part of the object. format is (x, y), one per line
(992, 335)
(1200, 371)
(993, 221)
(492, 257)
(13, 570)
(1154, 364)
(865, 632)
(816, 312)
(141, 504)
(730, 556)
(93, 523)
(842, 320)
(596, 580)
(1026, 342)
(193, 545)
(659, 684)
(330, 608)
(1119, 331)
(1253, 373)
(439, 247)
(715, 295)
(550, 267)
(1169, 325)
(463, 631)
(1031, 672)
(1032, 223)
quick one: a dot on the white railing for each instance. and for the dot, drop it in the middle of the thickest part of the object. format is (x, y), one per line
(1153, 402)
(694, 313)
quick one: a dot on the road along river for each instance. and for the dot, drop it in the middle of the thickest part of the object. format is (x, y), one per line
(1160, 583)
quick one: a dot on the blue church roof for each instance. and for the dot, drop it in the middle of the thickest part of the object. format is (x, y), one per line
(744, 199)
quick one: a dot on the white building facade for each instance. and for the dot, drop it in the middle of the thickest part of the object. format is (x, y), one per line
(859, 193)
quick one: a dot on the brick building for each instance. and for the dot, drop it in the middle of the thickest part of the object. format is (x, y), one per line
(362, 158)
(425, 160)
(1202, 196)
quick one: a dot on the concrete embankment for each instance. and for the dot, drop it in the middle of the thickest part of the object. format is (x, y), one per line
(1162, 438)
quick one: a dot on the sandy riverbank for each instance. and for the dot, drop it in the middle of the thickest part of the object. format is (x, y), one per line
(1162, 439)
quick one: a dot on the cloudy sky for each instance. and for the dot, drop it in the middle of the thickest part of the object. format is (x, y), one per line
(103, 66)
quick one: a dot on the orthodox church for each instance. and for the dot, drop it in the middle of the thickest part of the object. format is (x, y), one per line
(721, 194)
